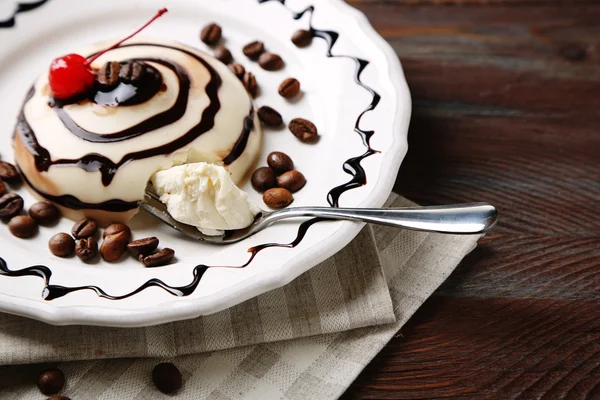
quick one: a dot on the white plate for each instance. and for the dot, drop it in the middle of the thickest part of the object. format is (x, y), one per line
(333, 99)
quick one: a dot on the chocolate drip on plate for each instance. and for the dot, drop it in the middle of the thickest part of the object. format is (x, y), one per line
(353, 165)
(51, 292)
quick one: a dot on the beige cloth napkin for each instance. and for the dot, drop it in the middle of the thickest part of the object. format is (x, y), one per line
(309, 339)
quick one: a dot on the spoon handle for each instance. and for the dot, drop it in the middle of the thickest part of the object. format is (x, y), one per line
(459, 218)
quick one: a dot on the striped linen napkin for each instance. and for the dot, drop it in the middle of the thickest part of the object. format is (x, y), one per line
(307, 340)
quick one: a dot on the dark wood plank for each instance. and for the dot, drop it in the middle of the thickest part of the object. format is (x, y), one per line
(473, 348)
(506, 101)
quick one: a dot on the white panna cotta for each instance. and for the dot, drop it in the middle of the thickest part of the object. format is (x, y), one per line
(93, 157)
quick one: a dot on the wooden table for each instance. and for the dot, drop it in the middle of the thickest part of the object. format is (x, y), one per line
(506, 110)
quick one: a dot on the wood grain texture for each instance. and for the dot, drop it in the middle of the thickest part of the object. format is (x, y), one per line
(506, 101)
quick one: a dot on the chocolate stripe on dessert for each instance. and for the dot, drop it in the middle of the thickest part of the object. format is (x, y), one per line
(240, 144)
(155, 122)
(108, 168)
(73, 202)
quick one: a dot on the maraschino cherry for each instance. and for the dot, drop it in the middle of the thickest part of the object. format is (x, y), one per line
(71, 75)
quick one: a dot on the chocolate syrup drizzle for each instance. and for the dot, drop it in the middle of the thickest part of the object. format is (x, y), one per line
(51, 292)
(21, 8)
(352, 167)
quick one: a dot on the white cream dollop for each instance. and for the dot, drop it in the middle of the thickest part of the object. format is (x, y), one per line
(203, 195)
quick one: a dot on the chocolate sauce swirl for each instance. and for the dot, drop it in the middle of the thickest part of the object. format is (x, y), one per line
(108, 168)
(138, 95)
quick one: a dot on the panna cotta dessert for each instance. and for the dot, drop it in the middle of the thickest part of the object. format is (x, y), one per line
(153, 105)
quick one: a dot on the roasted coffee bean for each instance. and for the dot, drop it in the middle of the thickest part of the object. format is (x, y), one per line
(269, 116)
(116, 228)
(304, 130)
(51, 381)
(237, 69)
(61, 245)
(116, 238)
(86, 248)
(211, 34)
(132, 72)
(167, 378)
(280, 162)
(10, 205)
(278, 198)
(302, 38)
(44, 212)
(113, 246)
(263, 178)
(289, 88)
(223, 54)
(142, 246)
(8, 172)
(270, 61)
(157, 259)
(250, 83)
(58, 398)
(108, 75)
(84, 228)
(2, 188)
(292, 180)
(253, 50)
(23, 226)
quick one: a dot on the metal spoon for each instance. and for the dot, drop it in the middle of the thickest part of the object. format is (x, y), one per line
(458, 219)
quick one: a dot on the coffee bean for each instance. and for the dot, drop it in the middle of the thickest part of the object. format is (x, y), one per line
(157, 259)
(304, 130)
(280, 162)
(108, 75)
(237, 69)
(289, 88)
(302, 38)
(269, 116)
(263, 178)
(250, 84)
(253, 49)
(132, 72)
(61, 245)
(2, 188)
(23, 226)
(167, 378)
(44, 212)
(270, 62)
(223, 54)
(116, 228)
(10, 205)
(86, 248)
(58, 398)
(278, 198)
(8, 172)
(142, 246)
(51, 381)
(84, 228)
(211, 34)
(116, 237)
(292, 180)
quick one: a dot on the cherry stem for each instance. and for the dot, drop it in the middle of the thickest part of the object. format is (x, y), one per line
(114, 46)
